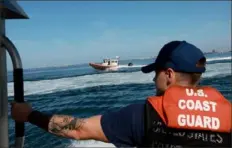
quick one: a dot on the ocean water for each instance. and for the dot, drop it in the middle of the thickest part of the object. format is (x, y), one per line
(81, 91)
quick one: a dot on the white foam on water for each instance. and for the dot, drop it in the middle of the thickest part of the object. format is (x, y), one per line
(217, 70)
(89, 143)
(55, 85)
(219, 58)
(133, 66)
(49, 86)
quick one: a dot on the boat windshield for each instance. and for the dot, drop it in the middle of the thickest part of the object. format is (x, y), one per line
(110, 61)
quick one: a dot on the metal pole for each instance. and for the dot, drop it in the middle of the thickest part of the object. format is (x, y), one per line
(18, 87)
(4, 142)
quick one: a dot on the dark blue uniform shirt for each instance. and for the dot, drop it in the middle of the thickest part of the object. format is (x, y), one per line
(125, 127)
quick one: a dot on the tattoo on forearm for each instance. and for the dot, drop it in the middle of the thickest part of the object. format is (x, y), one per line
(63, 125)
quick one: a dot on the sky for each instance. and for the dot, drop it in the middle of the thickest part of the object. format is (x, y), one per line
(61, 33)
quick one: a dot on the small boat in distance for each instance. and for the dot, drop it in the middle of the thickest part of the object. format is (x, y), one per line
(107, 64)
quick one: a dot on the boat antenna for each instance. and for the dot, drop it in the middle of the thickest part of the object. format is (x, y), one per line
(9, 9)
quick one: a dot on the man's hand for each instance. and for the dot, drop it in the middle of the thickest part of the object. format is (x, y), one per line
(20, 111)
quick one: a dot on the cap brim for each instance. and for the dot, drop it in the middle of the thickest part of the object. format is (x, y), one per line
(149, 68)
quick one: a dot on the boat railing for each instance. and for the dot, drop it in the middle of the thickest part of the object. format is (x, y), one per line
(9, 9)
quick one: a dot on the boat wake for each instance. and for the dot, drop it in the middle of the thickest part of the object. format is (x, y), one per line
(71, 83)
(133, 66)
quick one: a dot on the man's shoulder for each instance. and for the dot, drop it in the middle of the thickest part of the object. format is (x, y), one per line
(125, 126)
(129, 109)
(135, 105)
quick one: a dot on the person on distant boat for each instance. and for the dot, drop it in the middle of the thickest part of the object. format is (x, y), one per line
(182, 114)
(130, 64)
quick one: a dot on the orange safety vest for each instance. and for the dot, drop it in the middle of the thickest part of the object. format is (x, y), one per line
(193, 109)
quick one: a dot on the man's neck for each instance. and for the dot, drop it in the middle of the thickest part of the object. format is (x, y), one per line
(185, 83)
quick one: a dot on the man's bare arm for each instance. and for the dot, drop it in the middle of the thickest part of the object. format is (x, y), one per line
(77, 128)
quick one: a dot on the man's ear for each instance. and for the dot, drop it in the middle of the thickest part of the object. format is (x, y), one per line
(170, 73)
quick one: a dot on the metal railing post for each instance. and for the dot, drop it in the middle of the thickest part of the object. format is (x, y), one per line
(9, 9)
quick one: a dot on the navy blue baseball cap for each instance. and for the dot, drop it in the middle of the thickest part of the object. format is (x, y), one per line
(181, 56)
